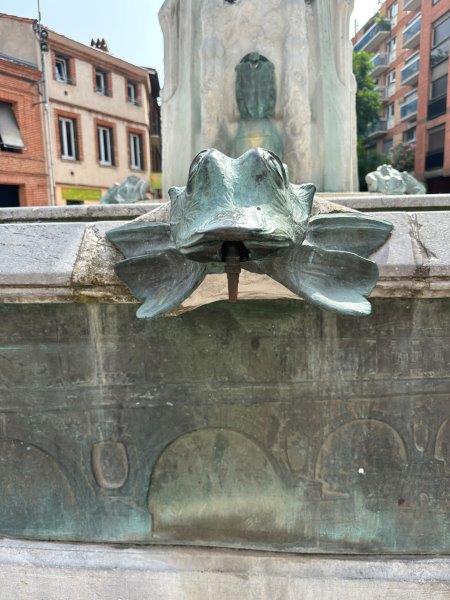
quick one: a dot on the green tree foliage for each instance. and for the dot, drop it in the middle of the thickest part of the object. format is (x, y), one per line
(368, 106)
(368, 102)
(403, 157)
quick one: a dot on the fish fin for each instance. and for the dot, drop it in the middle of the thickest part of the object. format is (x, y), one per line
(336, 281)
(303, 200)
(140, 238)
(349, 232)
(162, 280)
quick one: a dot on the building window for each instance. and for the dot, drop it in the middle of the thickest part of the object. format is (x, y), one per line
(390, 84)
(132, 93)
(62, 69)
(436, 142)
(409, 136)
(441, 30)
(68, 138)
(390, 112)
(436, 138)
(105, 146)
(101, 83)
(439, 87)
(391, 48)
(10, 136)
(393, 14)
(387, 146)
(136, 161)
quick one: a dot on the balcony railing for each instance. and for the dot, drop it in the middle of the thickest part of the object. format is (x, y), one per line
(379, 63)
(377, 129)
(437, 107)
(411, 35)
(135, 101)
(440, 53)
(373, 36)
(381, 89)
(412, 4)
(434, 160)
(410, 73)
(408, 110)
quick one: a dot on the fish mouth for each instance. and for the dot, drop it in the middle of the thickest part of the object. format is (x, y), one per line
(208, 245)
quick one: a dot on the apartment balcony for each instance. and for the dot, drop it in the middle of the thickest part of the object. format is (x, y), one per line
(437, 107)
(380, 63)
(440, 53)
(412, 4)
(434, 160)
(410, 73)
(408, 110)
(378, 129)
(373, 37)
(381, 89)
(411, 35)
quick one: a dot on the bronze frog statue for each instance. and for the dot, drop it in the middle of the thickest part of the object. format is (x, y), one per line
(244, 213)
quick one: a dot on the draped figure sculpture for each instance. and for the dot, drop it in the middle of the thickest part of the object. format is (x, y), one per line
(308, 44)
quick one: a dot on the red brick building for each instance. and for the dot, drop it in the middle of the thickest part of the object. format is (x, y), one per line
(410, 41)
(23, 169)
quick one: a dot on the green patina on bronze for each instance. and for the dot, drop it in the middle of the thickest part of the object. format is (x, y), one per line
(249, 205)
(256, 97)
(269, 425)
(256, 92)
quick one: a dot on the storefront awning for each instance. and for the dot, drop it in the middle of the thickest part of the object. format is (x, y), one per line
(9, 129)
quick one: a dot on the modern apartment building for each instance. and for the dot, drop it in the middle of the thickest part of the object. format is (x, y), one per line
(96, 110)
(410, 42)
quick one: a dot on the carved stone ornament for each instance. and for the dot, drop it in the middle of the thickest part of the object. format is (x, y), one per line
(132, 189)
(245, 214)
(387, 180)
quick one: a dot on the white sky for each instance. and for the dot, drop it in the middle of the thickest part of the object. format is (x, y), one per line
(130, 28)
(364, 9)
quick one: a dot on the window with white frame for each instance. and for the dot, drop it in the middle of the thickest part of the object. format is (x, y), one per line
(390, 112)
(393, 14)
(105, 146)
(391, 48)
(101, 82)
(390, 83)
(68, 140)
(132, 92)
(136, 161)
(62, 68)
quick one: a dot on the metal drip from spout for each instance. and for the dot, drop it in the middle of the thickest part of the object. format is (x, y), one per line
(231, 253)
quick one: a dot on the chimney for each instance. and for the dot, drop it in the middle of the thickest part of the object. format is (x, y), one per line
(100, 44)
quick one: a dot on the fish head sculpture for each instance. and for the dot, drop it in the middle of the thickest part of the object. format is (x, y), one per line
(243, 213)
(247, 201)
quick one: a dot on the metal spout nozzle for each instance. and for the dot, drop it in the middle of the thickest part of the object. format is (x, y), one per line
(232, 258)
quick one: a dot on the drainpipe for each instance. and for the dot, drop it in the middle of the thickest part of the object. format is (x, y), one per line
(47, 122)
(48, 136)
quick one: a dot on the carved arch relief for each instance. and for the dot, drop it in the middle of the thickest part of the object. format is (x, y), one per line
(36, 498)
(442, 450)
(214, 484)
(362, 455)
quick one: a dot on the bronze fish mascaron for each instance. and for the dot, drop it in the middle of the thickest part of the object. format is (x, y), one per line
(244, 213)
